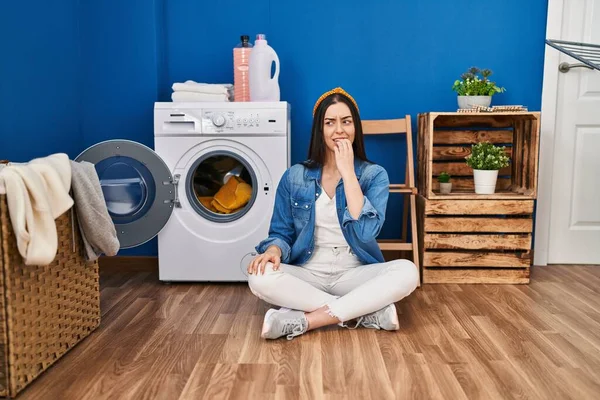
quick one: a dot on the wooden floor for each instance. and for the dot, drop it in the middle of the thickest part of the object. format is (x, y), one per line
(193, 341)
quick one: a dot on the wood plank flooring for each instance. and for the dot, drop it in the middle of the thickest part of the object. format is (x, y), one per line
(195, 341)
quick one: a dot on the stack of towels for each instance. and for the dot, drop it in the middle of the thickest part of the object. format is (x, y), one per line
(39, 191)
(194, 91)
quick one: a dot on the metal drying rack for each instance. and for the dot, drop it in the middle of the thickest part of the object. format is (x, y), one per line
(587, 53)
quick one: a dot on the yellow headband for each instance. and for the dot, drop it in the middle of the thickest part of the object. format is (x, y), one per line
(337, 90)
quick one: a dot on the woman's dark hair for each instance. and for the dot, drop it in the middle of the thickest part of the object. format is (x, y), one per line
(317, 148)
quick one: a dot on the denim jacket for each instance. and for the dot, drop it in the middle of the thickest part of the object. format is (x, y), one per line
(293, 221)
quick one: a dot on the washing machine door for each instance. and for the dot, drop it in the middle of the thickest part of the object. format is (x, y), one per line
(138, 188)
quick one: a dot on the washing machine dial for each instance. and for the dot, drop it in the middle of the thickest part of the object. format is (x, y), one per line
(218, 120)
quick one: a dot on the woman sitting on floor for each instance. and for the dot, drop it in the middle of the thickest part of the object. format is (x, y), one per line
(321, 261)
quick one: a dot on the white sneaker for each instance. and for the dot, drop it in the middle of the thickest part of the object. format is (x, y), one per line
(278, 323)
(386, 319)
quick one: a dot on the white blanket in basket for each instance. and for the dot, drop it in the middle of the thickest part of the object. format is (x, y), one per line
(37, 193)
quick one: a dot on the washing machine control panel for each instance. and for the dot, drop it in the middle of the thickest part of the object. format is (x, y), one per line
(250, 121)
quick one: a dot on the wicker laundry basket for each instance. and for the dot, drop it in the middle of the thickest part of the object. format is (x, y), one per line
(44, 310)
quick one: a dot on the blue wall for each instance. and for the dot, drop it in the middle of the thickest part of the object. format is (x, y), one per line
(96, 67)
(40, 72)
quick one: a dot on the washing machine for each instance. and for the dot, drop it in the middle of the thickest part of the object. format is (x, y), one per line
(207, 189)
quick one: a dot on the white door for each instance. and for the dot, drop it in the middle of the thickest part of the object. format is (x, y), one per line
(572, 174)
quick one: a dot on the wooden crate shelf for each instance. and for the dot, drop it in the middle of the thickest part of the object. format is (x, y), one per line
(445, 139)
(496, 276)
(475, 241)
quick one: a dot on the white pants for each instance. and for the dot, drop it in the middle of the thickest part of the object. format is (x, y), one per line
(335, 277)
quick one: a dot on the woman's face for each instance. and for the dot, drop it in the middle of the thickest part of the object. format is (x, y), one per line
(338, 124)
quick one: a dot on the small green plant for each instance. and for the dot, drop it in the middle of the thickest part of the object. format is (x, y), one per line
(486, 156)
(444, 177)
(473, 85)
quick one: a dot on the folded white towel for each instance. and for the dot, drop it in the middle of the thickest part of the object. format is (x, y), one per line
(193, 96)
(37, 193)
(209, 88)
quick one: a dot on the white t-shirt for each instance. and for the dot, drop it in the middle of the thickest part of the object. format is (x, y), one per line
(328, 232)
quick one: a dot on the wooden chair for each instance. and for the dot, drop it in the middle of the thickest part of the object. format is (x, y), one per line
(408, 188)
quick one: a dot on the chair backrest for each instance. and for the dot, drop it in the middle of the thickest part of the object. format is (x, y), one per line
(390, 127)
(386, 126)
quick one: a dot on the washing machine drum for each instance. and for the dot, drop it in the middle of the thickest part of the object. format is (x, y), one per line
(137, 186)
(221, 173)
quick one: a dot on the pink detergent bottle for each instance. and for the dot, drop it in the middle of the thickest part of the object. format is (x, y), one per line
(241, 79)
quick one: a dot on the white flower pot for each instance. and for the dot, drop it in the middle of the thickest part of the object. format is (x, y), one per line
(445, 188)
(485, 181)
(466, 102)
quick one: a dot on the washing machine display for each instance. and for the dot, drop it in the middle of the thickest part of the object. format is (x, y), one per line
(221, 186)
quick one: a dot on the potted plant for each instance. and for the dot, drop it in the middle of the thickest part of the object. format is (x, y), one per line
(474, 89)
(486, 159)
(445, 184)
